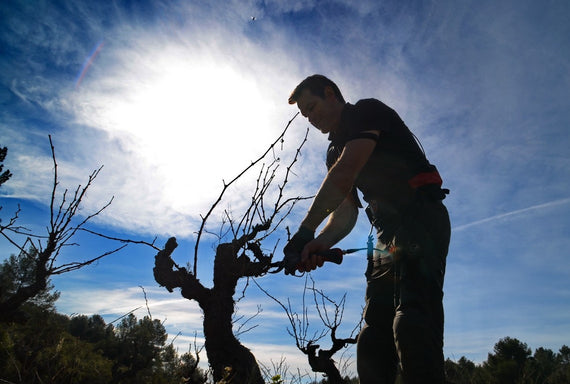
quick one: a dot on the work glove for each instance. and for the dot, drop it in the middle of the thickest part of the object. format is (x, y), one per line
(293, 248)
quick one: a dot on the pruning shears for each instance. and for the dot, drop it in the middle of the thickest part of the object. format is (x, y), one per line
(333, 255)
(292, 259)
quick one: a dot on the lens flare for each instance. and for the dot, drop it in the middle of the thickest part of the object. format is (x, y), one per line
(88, 61)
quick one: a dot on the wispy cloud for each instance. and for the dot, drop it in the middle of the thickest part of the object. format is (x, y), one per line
(176, 117)
(501, 216)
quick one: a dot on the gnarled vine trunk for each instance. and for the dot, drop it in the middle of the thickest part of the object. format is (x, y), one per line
(226, 355)
(228, 358)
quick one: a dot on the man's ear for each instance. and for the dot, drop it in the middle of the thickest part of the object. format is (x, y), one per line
(329, 92)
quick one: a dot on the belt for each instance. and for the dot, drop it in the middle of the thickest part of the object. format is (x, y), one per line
(425, 178)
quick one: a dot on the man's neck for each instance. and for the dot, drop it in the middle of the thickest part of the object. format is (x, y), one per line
(338, 128)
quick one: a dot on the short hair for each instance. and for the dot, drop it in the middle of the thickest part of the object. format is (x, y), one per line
(316, 84)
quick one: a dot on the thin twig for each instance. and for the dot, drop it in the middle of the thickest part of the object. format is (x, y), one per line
(146, 302)
(226, 185)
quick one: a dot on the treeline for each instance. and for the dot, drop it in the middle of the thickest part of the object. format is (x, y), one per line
(512, 362)
(53, 348)
(41, 345)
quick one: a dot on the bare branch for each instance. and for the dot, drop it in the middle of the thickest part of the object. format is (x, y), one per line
(214, 205)
(121, 240)
(197, 351)
(320, 360)
(146, 303)
(241, 329)
(125, 315)
(64, 268)
(54, 188)
(299, 326)
(64, 223)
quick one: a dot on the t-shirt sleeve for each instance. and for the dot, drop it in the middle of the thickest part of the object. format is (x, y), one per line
(370, 115)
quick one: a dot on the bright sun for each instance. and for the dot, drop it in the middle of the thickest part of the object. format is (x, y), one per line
(192, 118)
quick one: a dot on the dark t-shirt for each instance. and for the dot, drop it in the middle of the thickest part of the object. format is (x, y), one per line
(395, 160)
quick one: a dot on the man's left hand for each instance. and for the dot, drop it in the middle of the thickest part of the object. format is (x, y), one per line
(299, 240)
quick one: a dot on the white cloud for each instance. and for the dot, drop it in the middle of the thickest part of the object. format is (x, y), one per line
(172, 120)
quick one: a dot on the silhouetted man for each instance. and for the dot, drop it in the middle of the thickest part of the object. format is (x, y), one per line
(372, 150)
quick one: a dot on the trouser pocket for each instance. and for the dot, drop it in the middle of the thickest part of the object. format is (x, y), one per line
(379, 309)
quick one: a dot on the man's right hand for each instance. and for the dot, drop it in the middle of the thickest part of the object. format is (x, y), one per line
(310, 257)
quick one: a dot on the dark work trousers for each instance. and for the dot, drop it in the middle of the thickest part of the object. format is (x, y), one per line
(404, 308)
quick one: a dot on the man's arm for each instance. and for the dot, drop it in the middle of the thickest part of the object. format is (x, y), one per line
(339, 224)
(334, 199)
(339, 181)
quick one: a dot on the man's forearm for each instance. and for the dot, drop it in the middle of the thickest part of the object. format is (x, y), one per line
(340, 223)
(339, 181)
(331, 194)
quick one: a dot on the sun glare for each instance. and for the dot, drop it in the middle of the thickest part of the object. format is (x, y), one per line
(194, 121)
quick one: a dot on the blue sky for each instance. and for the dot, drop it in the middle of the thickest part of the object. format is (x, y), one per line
(172, 97)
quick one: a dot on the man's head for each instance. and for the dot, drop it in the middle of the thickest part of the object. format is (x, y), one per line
(319, 100)
(316, 84)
